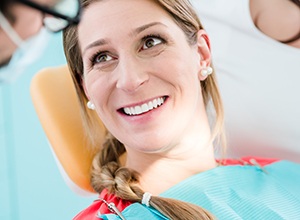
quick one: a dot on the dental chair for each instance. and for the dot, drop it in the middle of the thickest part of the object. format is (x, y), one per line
(55, 101)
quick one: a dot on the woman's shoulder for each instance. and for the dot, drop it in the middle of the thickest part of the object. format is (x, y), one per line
(109, 206)
(102, 206)
(249, 160)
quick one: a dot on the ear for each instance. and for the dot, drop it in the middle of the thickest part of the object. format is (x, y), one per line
(203, 45)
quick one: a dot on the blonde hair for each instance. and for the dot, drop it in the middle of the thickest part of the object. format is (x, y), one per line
(107, 171)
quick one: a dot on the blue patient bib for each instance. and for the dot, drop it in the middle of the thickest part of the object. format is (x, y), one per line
(245, 192)
(234, 193)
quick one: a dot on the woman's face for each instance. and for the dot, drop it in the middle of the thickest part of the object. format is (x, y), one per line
(141, 74)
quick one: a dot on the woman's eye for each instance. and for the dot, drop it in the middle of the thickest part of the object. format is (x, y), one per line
(151, 42)
(100, 58)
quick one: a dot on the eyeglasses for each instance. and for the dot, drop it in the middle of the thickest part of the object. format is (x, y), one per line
(59, 15)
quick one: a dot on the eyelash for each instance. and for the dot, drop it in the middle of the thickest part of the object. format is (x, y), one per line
(93, 58)
(144, 39)
(157, 36)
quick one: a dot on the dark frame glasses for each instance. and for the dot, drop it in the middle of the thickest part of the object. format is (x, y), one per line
(69, 20)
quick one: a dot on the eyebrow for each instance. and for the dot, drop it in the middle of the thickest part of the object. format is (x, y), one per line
(95, 44)
(145, 27)
(133, 33)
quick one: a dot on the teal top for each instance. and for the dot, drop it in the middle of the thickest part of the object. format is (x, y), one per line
(235, 192)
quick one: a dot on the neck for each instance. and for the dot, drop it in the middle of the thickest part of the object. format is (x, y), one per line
(185, 154)
(160, 171)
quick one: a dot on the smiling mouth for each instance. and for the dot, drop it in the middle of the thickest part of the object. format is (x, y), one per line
(146, 107)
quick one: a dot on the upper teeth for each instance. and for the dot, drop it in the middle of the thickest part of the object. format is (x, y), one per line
(139, 109)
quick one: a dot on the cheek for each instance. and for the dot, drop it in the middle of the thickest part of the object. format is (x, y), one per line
(182, 70)
(96, 88)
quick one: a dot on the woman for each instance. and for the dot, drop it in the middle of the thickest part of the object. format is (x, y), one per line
(144, 66)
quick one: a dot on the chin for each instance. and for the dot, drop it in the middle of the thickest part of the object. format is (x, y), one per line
(150, 148)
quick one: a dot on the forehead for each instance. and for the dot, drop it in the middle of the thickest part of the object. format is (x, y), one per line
(114, 17)
(110, 9)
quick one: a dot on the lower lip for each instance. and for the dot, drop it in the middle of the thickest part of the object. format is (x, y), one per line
(147, 116)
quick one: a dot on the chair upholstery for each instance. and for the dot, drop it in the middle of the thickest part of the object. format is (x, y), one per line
(57, 107)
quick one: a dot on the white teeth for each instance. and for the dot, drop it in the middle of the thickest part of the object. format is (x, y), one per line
(136, 110)
(150, 105)
(145, 108)
(159, 102)
(127, 111)
(154, 103)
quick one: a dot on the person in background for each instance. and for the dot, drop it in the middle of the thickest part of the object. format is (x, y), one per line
(255, 46)
(22, 36)
(24, 149)
(279, 19)
(144, 67)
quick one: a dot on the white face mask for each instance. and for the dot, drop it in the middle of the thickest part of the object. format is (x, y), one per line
(27, 53)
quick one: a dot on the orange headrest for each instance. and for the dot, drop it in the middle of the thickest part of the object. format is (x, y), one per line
(57, 106)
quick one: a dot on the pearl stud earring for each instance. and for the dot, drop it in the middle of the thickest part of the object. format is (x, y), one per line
(206, 71)
(90, 105)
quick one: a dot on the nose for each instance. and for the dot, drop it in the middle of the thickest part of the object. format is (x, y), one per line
(132, 74)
